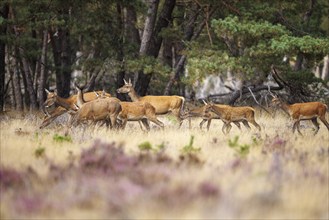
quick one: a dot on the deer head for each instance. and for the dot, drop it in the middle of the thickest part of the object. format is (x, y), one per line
(126, 88)
(51, 99)
(208, 106)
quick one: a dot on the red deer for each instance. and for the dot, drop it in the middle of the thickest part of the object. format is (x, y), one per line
(207, 117)
(162, 104)
(52, 98)
(131, 111)
(230, 114)
(303, 111)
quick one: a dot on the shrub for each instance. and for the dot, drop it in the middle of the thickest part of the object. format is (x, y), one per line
(39, 152)
(145, 146)
(190, 148)
(61, 139)
(240, 149)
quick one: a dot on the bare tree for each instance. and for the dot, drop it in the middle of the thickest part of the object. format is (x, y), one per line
(3, 30)
(151, 39)
(43, 70)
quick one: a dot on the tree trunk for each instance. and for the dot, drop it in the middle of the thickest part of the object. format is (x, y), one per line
(29, 83)
(149, 26)
(17, 85)
(190, 34)
(55, 45)
(141, 80)
(60, 42)
(3, 31)
(151, 40)
(163, 22)
(66, 61)
(92, 81)
(131, 32)
(43, 71)
(120, 57)
(325, 69)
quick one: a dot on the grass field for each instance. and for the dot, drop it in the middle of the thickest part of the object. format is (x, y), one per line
(170, 173)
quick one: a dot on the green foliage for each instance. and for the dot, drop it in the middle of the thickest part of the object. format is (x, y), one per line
(60, 139)
(301, 78)
(161, 146)
(148, 65)
(39, 152)
(241, 149)
(145, 146)
(187, 149)
(291, 45)
(249, 45)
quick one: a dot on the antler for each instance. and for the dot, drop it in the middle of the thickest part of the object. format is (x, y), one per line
(204, 102)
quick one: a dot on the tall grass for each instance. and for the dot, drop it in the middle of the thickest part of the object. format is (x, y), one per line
(132, 174)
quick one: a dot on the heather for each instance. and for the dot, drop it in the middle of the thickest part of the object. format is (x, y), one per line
(170, 173)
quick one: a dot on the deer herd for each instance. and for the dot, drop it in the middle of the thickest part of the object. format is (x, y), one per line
(100, 107)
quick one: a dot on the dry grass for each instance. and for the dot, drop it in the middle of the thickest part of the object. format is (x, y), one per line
(283, 175)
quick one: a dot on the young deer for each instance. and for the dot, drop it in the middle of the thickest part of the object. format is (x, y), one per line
(162, 104)
(230, 114)
(206, 117)
(303, 111)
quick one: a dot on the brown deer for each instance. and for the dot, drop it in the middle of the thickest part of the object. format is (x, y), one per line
(162, 104)
(106, 109)
(303, 111)
(230, 114)
(207, 117)
(52, 98)
(130, 111)
(138, 111)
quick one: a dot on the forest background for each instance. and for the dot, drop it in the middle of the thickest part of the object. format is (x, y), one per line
(164, 46)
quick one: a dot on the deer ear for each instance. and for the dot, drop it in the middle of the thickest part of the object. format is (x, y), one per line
(96, 94)
(76, 107)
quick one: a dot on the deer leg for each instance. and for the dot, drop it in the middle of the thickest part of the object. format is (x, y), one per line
(208, 124)
(237, 124)
(316, 125)
(123, 123)
(178, 116)
(146, 124)
(294, 127)
(202, 122)
(323, 119)
(224, 128)
(298, 127)
(57, 112)
(113, 120)
(157, 121)
(253, 122)
(246, 124)
(228, 128)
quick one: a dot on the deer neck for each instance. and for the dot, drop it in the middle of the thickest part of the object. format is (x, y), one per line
(65, 103)
(134, 96)
(80, 99)
(285, 107)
